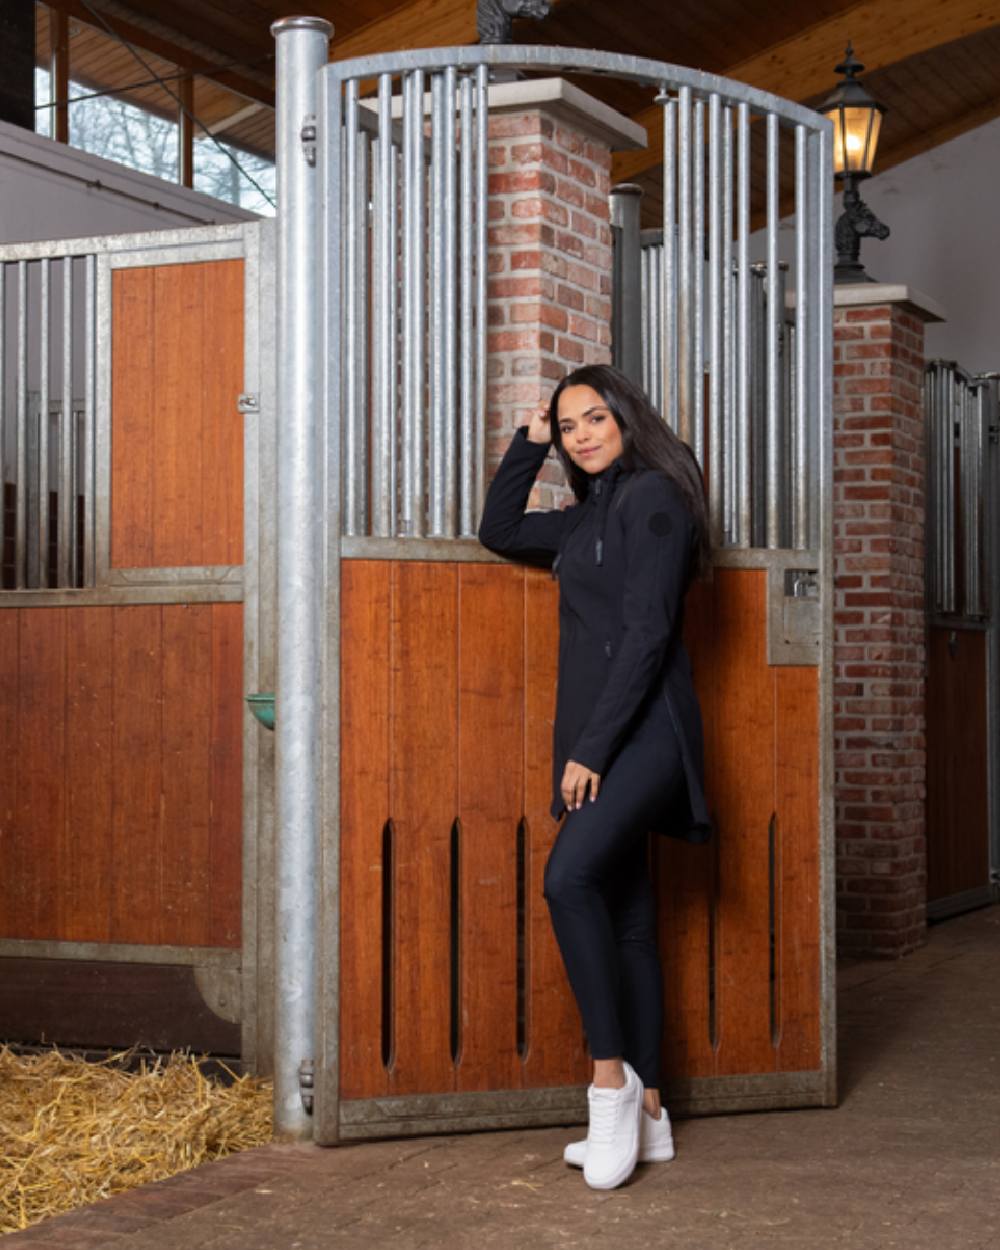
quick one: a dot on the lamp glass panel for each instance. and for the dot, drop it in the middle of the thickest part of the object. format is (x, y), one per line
(855, 137)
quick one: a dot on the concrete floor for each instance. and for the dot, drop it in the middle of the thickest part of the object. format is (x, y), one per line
(910, 1159)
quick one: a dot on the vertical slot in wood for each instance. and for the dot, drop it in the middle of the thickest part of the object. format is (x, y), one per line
(772, 927)
(455, 989)
(712, 949)
(388, 1001)
(522, 940)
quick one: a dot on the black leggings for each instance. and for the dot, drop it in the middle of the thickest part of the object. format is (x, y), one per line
(601, 901)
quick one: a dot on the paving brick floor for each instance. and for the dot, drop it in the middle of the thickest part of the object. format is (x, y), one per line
(909, 1159)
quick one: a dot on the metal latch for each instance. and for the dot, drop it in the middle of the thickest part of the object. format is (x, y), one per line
(308, 137)
(248, 402)
(801, 583)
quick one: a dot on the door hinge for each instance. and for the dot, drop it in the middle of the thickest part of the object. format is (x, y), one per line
(248, 402)
(307, 1070)
(307, 135)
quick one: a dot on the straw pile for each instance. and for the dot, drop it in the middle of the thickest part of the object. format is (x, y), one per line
(72, 1132)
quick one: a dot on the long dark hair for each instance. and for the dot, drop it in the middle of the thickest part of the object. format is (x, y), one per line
(647, 442)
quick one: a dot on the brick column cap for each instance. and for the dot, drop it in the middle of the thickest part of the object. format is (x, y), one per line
(878, 294)
(565, 102)
(560, 100)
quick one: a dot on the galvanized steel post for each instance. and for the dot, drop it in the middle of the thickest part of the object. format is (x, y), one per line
(302, 44)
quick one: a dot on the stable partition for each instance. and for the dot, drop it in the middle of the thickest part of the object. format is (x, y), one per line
(441, 1001)
(129, 886)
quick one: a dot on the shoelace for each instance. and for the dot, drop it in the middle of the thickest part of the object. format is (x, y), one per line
(604, 1108)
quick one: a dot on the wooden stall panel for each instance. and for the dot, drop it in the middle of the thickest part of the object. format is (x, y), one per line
(448, 676)
(423, 803)
(957, 764)
(113, 765)
(364, 807)
(86, 848)
(742, 787)
(797, 989)
(41, 745)
(176, 433)
(491, 800)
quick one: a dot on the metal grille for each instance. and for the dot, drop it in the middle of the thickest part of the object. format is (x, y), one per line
(413, 310)
(962, 419)
(47, 353)
(406, 180)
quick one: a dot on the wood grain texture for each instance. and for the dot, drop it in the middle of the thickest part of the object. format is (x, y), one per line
(742, 772)
(133, 383)
(137, 711)
(14, 850)
(957, 766)
(87, 854)
(125, 724)
(364, 809)
(797, 868)
(41, 799)
(225, 831)
(491, 800)
(447, 668)
(185, 796)
(423, 802)
(176, 434)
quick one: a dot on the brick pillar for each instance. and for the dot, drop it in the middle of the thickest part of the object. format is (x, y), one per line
(879, 618)
(549, 290)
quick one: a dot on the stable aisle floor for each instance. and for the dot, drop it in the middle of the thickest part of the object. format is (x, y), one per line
(910, 1159)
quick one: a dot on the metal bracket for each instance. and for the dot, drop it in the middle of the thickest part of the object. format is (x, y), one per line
(308, 137)
(307, 1081)
(248, 402)
(794, 616)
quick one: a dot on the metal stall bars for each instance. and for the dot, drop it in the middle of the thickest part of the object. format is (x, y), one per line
(47, 422)
(405, 707)
(962, 599)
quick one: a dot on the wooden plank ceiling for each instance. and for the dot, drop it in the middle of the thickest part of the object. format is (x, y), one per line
(934, 64)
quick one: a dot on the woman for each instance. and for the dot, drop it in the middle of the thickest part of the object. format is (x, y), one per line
(627, 754)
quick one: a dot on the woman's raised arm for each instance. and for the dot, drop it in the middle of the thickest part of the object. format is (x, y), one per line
(506, 528)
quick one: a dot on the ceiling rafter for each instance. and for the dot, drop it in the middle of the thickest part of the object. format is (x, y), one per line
(800, 68)
(186, 58)
(419, 24)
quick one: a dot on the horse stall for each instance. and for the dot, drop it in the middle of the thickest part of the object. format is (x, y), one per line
(127, 469)
(243, 501)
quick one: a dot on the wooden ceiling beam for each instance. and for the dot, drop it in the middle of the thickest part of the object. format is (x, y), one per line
(884, 32)
(184, 58)
(419, 24)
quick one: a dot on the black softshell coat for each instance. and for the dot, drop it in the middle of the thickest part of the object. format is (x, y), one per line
(623, 558)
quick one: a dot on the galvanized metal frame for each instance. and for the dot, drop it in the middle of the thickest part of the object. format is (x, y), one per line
(333, 1120)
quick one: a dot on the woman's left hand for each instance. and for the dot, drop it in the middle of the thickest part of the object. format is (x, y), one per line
(575, 780)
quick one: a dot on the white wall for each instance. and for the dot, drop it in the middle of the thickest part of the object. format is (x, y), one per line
(943, 209)
(51, 191)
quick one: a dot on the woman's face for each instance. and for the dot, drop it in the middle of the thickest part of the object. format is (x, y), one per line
(590, 434)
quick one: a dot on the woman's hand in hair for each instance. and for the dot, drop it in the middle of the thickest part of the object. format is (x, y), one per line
(576, 780)
(539, 427)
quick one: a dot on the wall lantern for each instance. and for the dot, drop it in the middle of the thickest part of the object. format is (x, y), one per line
(857, 120)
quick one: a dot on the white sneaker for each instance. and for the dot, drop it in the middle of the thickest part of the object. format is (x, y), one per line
(656, 1142)
(612, 1146)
